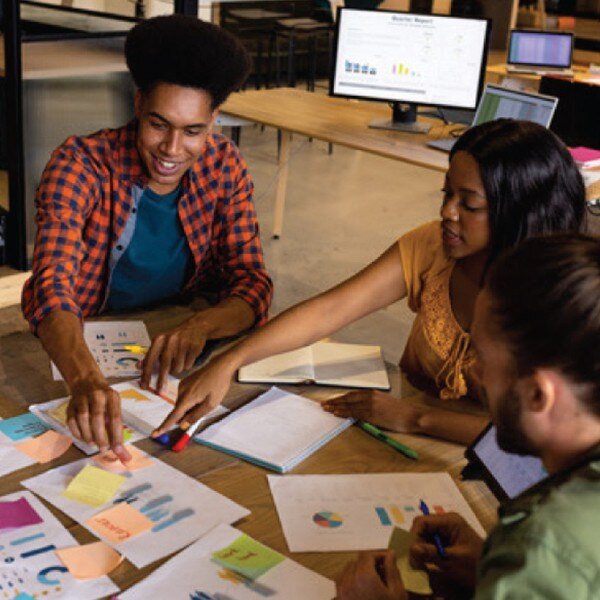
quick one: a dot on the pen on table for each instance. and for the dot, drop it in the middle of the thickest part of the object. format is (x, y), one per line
(187, 435)
(436, 538)
(376, 432)
(136, 349)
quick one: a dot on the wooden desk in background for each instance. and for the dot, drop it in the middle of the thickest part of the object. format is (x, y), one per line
(25, 378)
(332, 120)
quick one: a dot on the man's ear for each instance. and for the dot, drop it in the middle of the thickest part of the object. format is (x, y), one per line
(213, 118)
(538, 391)
(138, 101)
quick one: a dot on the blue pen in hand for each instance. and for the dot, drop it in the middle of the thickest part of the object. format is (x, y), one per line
(436, 538)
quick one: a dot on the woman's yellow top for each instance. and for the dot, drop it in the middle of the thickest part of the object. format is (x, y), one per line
(438, 353)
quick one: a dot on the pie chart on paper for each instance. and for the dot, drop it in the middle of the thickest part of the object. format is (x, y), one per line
(328, 519)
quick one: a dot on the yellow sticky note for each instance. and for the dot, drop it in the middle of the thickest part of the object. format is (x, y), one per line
(89, 561)
(110, 462)
(45, 447)
(119, 523)
(415, 580)
(133, 394)
(93, 486)
(248, 557)
(60, 412)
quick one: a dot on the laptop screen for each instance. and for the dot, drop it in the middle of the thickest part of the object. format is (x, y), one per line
(540, 48)
(498, 102)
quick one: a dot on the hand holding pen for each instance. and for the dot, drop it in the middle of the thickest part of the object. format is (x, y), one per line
(462, 546)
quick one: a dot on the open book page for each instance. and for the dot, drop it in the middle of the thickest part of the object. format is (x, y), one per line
(275, 428)
(288, 367)
(349, 365)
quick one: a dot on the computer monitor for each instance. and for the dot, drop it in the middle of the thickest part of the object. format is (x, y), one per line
(409, 59)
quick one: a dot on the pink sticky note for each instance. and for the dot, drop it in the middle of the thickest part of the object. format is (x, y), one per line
(119, 523)
(89, 561)
(19, 513)
(110, 462)
(45, 447)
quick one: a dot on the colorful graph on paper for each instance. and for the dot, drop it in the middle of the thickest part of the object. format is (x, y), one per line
(180, 508)
(28, 564)
(358, 512)
(107, 341)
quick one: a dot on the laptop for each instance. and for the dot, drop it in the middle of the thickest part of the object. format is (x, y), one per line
(540, 52)
(497, 102)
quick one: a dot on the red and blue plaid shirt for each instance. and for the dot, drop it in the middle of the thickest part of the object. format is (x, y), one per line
(86, 197)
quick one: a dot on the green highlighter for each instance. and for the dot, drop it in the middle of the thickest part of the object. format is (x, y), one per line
(376, 432)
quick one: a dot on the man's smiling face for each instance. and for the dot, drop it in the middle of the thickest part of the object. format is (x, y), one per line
(173, 122)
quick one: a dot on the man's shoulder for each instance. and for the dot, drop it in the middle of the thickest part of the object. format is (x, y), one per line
(100, 147)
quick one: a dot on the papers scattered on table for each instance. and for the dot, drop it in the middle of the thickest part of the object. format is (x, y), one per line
(321, 513)
(107, 340)
(194, 571)
(277, 431)
(142, 411)
(325, 363)
(29, 548)
(179, 508)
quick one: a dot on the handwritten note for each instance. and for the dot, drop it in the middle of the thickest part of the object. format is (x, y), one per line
(93, 486)
(247, 557)
(45, 447)
(23, 427)
(415, 580)
(119, 523)
(89, 561)
(16, 514)
(110, 462)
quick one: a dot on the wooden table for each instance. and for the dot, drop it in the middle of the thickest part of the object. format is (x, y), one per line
(25, 378)
(332, 120)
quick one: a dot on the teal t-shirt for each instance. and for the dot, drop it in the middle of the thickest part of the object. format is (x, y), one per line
(155, 263)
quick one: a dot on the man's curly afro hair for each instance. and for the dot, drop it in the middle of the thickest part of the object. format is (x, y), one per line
(182, 50)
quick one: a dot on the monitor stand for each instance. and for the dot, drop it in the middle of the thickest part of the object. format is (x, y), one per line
(404, 118)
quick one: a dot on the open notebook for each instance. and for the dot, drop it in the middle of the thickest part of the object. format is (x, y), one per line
(277, 430)
(325, 363)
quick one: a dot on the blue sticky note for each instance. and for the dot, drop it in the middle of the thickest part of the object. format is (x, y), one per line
(23, 427)
(23, 596)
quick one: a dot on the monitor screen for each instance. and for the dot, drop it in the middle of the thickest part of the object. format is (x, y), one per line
(498, 102)
(508, 474)
(540, 48)
(409, 58)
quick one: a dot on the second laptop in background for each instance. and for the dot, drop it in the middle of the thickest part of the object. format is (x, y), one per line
(497, 102)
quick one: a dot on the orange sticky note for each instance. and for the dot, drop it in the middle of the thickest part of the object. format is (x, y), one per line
(119, 523)
(45, 447)
(89, 561)
(110, 462)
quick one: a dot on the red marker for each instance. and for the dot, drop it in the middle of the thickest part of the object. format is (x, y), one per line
(187, 435)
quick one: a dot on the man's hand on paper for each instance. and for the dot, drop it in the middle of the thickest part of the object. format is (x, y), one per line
(94, 416)
(174, 352)
(373, 575)
(378, 408)
(463, 547)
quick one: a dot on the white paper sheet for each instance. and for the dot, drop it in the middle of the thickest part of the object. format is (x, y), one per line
(192, 571)
(106, 341)
(30, 565)
(184, 509)
(323, 513)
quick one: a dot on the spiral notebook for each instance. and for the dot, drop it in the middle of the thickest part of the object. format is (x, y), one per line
(277, 430)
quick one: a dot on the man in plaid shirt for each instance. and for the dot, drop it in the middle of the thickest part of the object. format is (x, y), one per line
(137, 215)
